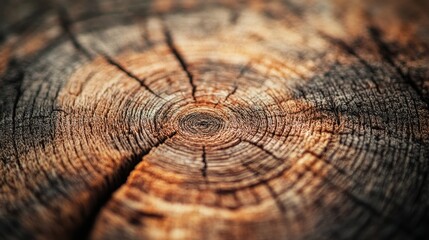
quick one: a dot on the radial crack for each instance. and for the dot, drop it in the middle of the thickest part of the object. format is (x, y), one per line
(231, 93)
(65, 24)
(119, 180)
(130, 74)
(227, 96)
(240, 74)
(204, 160)
(180, 59)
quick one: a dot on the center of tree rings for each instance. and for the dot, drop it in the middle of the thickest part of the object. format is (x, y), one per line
(201, 123)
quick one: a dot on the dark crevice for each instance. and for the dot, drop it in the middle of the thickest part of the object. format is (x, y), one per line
(388, 56)
(227, 96)
(234, 90)
(231, 93)
(144, 214)
(65, 24)
(204, 160)
(130, 74)
(180, 59)
(113, 184)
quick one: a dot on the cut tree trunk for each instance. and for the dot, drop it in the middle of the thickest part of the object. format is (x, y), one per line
(215, 120)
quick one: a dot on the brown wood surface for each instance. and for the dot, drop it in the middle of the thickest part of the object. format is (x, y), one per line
(214, 119)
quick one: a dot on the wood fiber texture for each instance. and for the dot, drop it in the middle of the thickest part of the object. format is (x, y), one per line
(214, 119)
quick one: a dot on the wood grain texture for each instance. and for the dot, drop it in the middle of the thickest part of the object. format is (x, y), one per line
(214, 120)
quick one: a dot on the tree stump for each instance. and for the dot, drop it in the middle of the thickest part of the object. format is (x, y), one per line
(214, 119)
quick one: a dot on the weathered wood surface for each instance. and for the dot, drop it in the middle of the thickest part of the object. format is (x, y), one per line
(215, 120)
